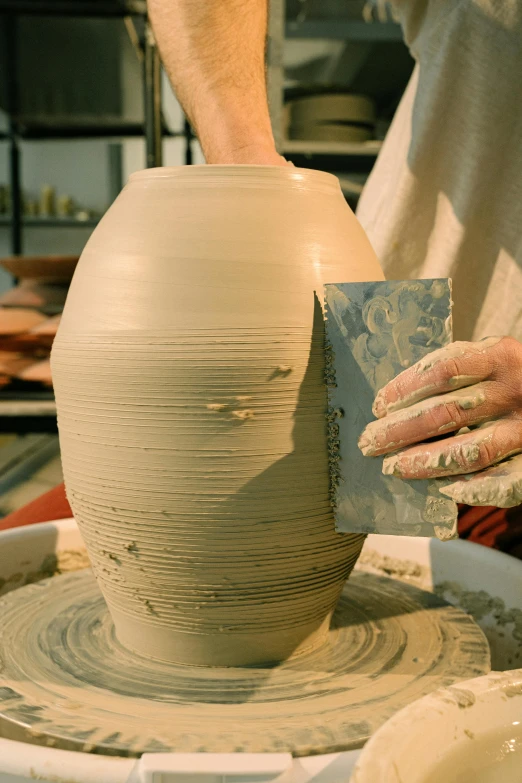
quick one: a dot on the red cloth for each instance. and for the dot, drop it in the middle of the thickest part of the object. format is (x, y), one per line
(51, 505)
(499, 528)
(494, 527)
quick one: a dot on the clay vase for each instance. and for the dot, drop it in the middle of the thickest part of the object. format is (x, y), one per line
(189, 377)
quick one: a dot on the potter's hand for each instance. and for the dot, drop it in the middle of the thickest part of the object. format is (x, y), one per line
(464, 385)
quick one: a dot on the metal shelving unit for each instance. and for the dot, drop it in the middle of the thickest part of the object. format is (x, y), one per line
(31, 129)
(75, 7)
(22, 128)
(36, 412)
(330, 156)
(39, 415)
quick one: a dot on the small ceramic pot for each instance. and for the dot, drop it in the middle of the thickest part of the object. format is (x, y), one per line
(189, 377)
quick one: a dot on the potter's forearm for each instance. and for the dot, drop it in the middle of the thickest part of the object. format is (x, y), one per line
(214, 53)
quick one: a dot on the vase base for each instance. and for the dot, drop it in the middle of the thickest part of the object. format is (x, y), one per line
(226, 648)
(67, 681)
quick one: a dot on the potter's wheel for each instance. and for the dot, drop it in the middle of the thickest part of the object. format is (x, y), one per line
(65, 680)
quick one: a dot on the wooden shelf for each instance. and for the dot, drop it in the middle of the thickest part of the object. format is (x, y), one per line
(27, 415)
(52, 222)
(44, 128)
(27, 407)
(96, 8)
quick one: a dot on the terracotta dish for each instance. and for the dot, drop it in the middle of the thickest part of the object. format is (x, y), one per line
(47, 328)
(16, 321)
(50, 268)
(37, 372)
(33, 293)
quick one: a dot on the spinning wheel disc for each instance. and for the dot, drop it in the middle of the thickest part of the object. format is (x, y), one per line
(66, 681)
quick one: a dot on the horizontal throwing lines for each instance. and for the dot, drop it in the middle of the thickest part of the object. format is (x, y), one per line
(197, 469)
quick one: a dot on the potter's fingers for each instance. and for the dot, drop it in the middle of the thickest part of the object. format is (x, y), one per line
(455, 366)
(499, 486)
(460, 454)
(434, 417)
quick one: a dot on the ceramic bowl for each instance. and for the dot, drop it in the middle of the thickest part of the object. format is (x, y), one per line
(469, 733)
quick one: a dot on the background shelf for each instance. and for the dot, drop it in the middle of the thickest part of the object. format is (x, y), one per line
(346, 30)
(35, 129)
(36, 415)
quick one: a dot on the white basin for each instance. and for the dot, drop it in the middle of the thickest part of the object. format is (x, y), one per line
(470, 733)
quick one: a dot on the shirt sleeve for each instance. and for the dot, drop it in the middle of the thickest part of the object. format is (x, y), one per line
(412, 15)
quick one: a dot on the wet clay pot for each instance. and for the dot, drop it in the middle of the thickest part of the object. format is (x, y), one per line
(189, 376)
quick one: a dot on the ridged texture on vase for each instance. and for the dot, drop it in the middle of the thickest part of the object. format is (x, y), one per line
(194, 444)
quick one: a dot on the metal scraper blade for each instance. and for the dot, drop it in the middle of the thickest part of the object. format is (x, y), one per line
(373, 332)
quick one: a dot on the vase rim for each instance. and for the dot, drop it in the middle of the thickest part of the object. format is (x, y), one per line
(240, 172)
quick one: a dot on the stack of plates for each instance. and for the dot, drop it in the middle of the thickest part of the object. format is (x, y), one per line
(26, 337)
(22, 329)
(331, 117)
(49, 269)
(47, 297)
(29, 318)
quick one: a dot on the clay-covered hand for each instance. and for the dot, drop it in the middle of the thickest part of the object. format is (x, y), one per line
(471, 391)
